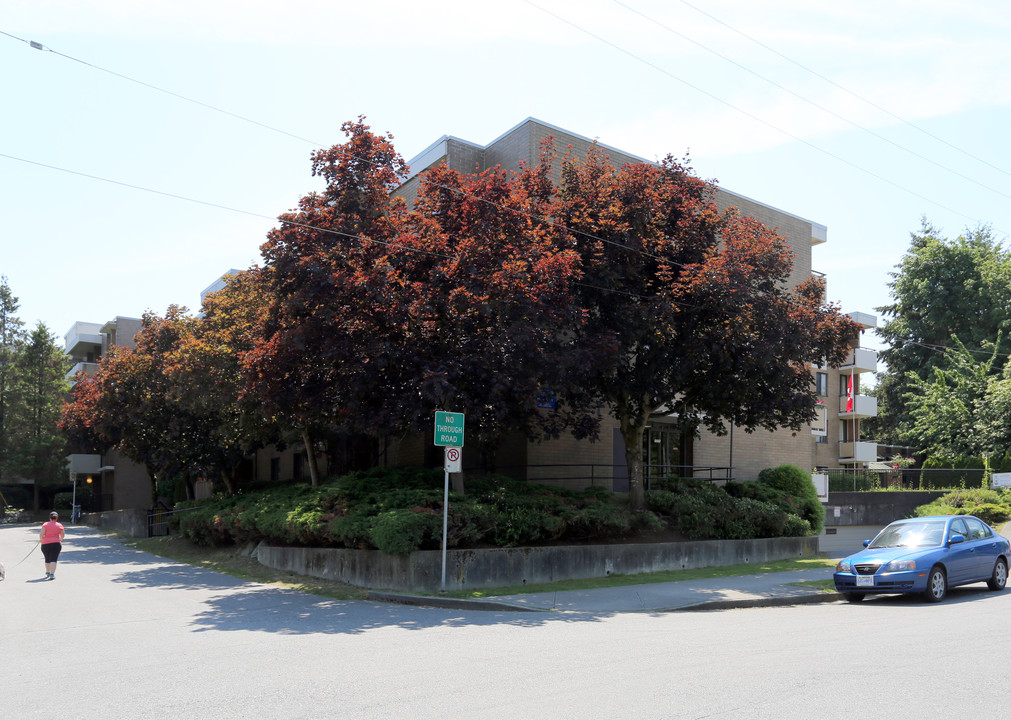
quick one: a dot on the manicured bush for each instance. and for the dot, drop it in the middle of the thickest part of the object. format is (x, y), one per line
(702, 511)
(399, 511)
(796, 482)
(402, 531)
(990, 506)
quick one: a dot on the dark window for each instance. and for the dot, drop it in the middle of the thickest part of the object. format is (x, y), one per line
(275, 469)
(299, 466)
(821, 384)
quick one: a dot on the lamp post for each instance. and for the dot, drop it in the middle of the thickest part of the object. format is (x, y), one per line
(75, 509)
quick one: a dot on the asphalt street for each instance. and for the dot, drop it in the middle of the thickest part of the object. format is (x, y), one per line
(121, 633)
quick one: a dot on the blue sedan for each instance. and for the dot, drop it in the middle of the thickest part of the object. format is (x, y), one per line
(925, 555)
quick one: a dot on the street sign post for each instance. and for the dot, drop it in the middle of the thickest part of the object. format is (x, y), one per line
(448, 434)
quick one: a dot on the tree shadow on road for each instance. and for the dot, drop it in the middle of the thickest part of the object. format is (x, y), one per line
(240, 605)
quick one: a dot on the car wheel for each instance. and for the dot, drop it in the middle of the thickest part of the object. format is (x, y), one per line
(937, 585)
(998, 580)
(853, 597)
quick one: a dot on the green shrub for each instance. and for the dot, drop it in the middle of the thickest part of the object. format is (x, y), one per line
(990, 506)
(796, 526)
(402, 531)
(702, 511)
(796, 482)
(600, 520)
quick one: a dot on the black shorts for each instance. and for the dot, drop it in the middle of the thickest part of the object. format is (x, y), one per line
(51, 551)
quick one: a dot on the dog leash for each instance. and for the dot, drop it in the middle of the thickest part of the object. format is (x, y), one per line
(29, 553)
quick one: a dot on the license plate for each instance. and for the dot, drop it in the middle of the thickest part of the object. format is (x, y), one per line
(865, 581)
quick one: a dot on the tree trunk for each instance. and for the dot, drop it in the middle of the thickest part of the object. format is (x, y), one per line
(227, 481)
(632, 431)
(310, 452)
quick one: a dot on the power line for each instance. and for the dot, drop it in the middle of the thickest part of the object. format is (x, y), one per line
(184, 198)
(811, 102)
(844, 89)
(746, 113)
(43, 48)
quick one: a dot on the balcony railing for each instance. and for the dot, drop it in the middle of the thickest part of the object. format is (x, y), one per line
(89, 369)
(863, 406)
(857, 452)
(860, 360)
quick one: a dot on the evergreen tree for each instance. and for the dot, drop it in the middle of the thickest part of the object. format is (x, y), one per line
(11, 337)
(39, 450)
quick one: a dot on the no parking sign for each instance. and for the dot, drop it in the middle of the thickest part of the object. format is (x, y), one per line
(453, 460)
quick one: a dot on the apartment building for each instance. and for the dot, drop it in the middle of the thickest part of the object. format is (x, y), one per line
(831, 442)
(117, 482)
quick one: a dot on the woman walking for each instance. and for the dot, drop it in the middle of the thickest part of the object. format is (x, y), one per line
(51, 539)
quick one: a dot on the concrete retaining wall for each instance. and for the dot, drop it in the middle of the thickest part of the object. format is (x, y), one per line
(127, 522)
(498, 567)
(852, 517)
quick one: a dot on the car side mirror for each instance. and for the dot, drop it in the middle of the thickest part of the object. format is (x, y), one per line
(866, 543)
(956, 538)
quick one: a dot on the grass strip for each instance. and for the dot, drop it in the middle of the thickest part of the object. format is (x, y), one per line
(646, 578)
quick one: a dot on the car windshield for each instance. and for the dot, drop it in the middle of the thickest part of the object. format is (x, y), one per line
(928, 533)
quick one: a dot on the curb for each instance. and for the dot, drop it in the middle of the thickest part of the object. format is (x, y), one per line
(448, 603)
(756, 603)
(494, 605)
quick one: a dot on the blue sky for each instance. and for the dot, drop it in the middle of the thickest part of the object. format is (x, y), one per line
(862, 116)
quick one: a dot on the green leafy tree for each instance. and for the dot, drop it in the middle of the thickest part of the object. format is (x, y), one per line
(963, 409)
(944, 293)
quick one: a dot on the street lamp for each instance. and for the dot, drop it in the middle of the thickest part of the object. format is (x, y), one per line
(75, 509)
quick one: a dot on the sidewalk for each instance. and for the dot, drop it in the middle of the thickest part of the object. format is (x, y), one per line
(758, 590)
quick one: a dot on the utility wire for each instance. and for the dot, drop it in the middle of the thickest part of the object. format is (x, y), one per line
(748, 114)
(306, 226)
(812, 103)
(844, 89)
(43, 48)
(40, 46)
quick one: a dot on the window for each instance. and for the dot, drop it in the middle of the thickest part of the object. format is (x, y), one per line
(821, 384)
(275, 469)
(298, 468)
(819, 427)
(958, 527)
(977, 530)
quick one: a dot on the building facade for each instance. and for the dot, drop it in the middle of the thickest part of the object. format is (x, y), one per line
(831, 442)
(116, 482)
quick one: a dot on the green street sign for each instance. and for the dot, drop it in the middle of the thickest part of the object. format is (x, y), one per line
(449, 429)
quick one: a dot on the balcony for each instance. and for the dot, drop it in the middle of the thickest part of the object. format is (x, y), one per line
(82, 337)
(89, 369)
(863, 406)
(860, 360)
(864, 320)
(857, 452)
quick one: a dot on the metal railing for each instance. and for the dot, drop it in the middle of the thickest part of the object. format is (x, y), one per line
(862, 479)
(610, 476)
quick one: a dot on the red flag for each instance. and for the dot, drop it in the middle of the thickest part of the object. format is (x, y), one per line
(849, 394)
